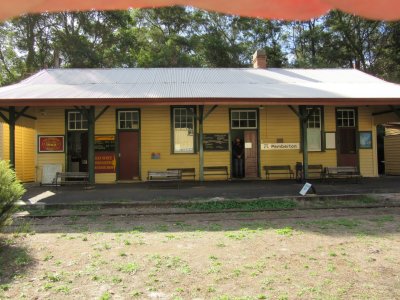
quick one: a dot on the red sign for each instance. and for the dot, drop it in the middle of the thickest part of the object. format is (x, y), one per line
(104, 162)
(51, 143)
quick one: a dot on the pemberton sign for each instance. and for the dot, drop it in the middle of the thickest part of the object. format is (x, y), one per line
(281, 146)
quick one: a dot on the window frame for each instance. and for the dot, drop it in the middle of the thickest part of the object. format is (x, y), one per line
(125, 111)
(172, 124)
(321, 127)
(355, 119)
(83, 119)
(247, 110)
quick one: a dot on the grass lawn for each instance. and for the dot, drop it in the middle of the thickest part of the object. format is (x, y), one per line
(268, 255)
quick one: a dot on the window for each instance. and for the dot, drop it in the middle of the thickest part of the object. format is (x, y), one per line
(243, 119)
(128, 119)
(346, 117)
(314, 128)
(184, 129)
(77, 121)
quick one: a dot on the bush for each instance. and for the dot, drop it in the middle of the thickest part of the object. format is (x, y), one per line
(11, 190)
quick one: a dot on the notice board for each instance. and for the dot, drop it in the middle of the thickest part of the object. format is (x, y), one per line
(104, 143)
(104, 148)
(216, 142)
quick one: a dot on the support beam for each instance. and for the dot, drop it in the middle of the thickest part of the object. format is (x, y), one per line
(11, 126)
(303, 123)
(91, 133)
(294, 110)
(22, 114)
(395, 110)
(5, 119)
(19, 114)
(101, 113)
(384, 112)
(210, 111)
(201, 150)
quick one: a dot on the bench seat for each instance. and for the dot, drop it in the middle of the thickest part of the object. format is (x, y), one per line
(185, 172)
(344, 172)
(317, 170)
(64, 178)
(174, 176)
(216, 170)
(278, 170)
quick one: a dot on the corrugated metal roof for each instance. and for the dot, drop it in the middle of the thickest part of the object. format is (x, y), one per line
(199, 83)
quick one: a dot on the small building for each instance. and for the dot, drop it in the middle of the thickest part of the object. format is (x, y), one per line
(118, 124)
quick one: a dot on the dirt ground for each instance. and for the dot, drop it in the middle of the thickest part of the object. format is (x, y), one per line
(327, 254)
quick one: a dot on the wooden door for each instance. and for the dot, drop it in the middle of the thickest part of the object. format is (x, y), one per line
(77, 151)
(346, 137)
(347, 149)
(128, 155)
(250, 154)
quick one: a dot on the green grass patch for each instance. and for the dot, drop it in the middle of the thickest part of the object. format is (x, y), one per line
(234, 204)
(288, 231)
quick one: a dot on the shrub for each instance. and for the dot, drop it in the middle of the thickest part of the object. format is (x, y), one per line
(11, 191)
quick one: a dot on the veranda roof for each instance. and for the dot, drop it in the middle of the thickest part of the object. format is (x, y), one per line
(170, 86)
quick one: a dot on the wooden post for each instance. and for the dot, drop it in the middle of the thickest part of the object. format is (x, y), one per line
(11, 126)
(91, 133)
(303, 122)
(201, 150)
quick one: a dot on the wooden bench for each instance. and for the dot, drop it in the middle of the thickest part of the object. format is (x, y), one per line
(164, 176)
(277, 170)
(216, 170)
(346, 172)
(316, 170)
(185, 172)
(64, 178)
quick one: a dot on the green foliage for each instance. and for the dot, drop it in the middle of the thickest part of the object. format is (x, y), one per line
(243, 205)
(189, 37)
(11, 191)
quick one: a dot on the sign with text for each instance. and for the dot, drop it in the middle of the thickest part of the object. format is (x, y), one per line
(216, 142)
(305, 189)
(104, 162)
(104, 143)
(51, 143)
(281, 146)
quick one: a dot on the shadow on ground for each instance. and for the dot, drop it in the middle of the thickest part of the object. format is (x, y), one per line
(15, 261)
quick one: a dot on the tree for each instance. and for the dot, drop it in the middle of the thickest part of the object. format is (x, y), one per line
(11, 190)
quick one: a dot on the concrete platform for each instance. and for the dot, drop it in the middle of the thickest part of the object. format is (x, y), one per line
(143, 192)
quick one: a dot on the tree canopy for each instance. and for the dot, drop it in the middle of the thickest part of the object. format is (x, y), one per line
(188, 37)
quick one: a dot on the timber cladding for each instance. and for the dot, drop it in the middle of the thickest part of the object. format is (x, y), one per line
(2, 141)
(275, 124)
(25, 160)
(392, 154)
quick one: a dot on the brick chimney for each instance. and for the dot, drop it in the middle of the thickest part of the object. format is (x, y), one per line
(260, 59)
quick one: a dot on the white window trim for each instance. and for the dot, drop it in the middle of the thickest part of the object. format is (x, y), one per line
(244, 110)
(83, 119)
(319, 149)
(175, 151)
(130, 111)
(354, 118)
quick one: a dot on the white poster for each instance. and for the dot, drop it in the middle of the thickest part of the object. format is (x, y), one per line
(330, 140)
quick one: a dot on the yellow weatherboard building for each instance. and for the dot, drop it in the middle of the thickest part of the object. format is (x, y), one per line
(119, 124)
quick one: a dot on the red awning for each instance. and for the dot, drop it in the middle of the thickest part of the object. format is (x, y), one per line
(271, 9)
